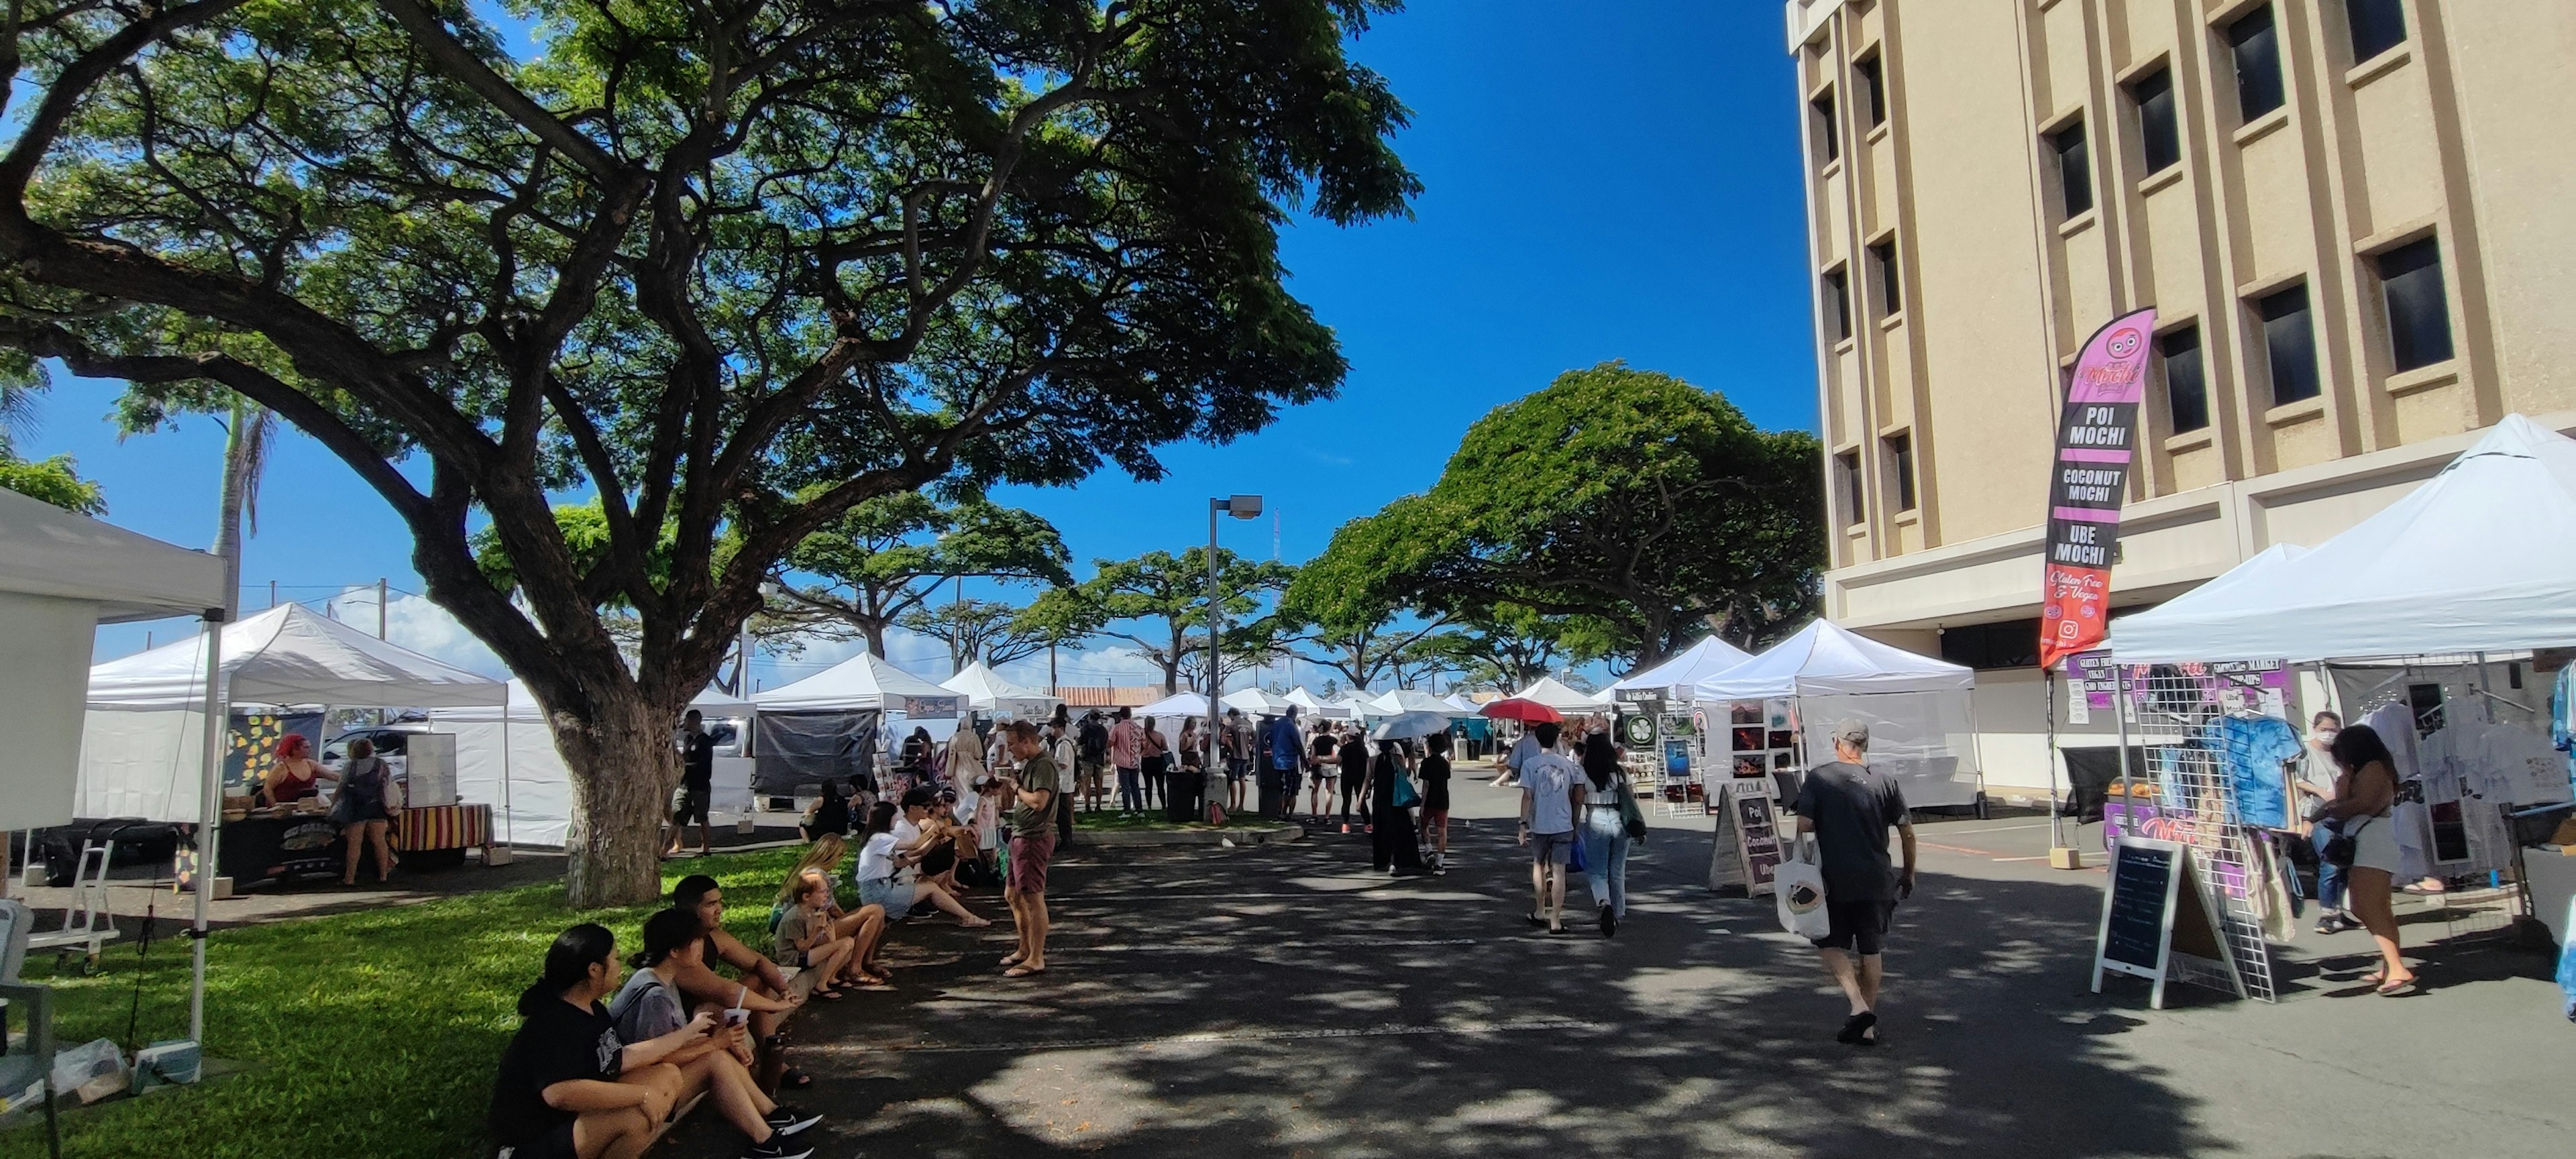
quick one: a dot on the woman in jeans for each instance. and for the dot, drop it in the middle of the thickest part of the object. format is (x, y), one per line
(1605, 831)
(2364, 798)
(2316, 779)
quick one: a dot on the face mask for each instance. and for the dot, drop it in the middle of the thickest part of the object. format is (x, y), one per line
(2327, 735)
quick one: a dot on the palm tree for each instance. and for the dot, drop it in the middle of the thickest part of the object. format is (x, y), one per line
(252, 434)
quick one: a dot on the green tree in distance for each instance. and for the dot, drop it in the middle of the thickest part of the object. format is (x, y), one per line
(992, 631)
(1636, 505)
(52, 480)
(1157, 604)
(733, 267)
(885, 559)
(1509, 647)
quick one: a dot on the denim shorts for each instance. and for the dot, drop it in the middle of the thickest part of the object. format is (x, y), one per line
(1552, 847)
(895, 896)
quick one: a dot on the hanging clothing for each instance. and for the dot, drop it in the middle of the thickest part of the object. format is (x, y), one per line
(2252, 749)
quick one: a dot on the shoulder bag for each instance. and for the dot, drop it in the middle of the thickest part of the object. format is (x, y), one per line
(1630, 816)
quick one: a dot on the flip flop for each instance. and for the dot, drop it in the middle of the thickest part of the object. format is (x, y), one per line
(1023, 972)
(2397, 989)
(1855, 1027)
(1012, 959)
(827, 995)
(794, 1079)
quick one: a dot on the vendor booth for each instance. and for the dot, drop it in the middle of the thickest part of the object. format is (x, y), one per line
(137, 759)
(1771, 714)
(1556, 694)
(1256, 702)
(1414, 700)
(507, 756)
(835, 723)
(1311, 705)
(986, 692)
(2436, 621)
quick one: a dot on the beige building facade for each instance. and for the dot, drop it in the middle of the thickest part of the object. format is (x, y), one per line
(2355, 218)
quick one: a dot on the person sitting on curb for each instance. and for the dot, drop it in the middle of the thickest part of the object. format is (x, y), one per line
(650, 1007)
(762, 988)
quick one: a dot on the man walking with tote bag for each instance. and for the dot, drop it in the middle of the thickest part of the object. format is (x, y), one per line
(1849, 807)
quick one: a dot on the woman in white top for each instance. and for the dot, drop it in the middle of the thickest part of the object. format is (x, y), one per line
(885, 875)
(2363, 801)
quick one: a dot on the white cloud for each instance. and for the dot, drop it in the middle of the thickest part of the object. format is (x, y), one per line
(415, 623)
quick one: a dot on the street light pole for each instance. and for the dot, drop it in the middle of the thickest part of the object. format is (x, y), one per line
(1241, 507)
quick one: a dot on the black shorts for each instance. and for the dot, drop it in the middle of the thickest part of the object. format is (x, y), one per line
(939, 860)
(690, 806)
(556, 1144)
(1858, 926)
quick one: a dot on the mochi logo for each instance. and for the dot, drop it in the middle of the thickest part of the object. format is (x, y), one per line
(2124, 342)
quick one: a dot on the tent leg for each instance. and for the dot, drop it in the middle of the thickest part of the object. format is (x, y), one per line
(210, 796)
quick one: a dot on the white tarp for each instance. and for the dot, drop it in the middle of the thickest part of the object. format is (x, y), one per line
(1825, 659)
(1675, 677)
(1255, 701)
(863, 681)
(1313, 704)
(1459, 701)
(2478, 558)
(290, 655)
(534, 807)
(47, 551)
(1413, 700)
(986, 691)
(1178, 704)
(1556, 694)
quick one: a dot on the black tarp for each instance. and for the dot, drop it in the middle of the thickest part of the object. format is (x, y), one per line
(794, 749)
(2090, 773)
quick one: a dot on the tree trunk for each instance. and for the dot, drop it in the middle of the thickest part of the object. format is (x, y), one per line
(876, 638)
(241, 469)
(623, 768)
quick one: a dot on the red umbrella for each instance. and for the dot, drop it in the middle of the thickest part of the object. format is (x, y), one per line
(1525, 711)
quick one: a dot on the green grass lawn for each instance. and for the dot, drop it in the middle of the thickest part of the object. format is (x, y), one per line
(1153, 819)
(375, 1033)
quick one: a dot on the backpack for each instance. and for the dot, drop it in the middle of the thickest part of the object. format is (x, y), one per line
(1093, 742)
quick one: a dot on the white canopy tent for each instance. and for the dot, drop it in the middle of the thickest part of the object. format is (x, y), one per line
(1415, 700)
(1314, 705)
(1674, 678)
(1556, 694)
(2477, 559)
(1358, 707)
(1919, 710)
(863, 681)
(1459, 701)
(61, 576)
(507, 756)
(1255, 702)
(986, 691)
(135, 759)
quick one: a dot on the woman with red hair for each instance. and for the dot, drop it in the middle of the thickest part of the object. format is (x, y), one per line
(293, 774)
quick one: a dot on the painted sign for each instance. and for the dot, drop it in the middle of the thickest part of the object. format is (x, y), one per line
(2096, 437)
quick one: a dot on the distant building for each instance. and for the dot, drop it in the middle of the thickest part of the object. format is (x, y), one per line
(1122, 696)
(2351, 216)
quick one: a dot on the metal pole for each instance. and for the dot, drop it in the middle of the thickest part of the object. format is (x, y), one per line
(1216, 627)
(380, 607)
(272, 593)
(2120, 712)
(2048, 698)
(210, 790)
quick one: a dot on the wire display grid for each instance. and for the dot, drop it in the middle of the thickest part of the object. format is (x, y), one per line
(2196, 797)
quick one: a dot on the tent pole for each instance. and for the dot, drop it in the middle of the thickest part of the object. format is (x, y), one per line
(210, 795)
(2120, 713)
(2048, 701)
(508, 822)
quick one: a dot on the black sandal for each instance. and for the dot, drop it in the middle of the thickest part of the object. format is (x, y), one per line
(794, 1080)
(1856, 1027)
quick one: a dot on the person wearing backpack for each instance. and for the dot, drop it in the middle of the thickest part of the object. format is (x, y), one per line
(1091, 749)
(1849, 807)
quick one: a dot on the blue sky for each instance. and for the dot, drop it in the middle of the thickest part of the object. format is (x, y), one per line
(1622, 185)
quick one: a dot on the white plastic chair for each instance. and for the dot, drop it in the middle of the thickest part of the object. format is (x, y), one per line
(87, 922)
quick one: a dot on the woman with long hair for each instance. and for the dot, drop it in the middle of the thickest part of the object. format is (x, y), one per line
(2365, 797)
(1435, 799)
(1158, 764)
(364, 810)
(1605, 831)
(293, 774)
(884, 879)
(1393, 848)
(570, 1088)
(830, 815)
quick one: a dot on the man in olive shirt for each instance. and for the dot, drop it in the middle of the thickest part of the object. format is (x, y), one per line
(1849, 807)
(1033, 800)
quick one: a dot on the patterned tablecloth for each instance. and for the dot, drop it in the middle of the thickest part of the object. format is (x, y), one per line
(444, 827)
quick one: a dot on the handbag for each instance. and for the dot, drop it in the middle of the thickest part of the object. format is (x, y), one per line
(2341, 847)
(1401, 789)
(1799, 888)
(1630, 816)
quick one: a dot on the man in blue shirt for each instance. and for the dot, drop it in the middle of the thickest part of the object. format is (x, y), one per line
(1284, 752)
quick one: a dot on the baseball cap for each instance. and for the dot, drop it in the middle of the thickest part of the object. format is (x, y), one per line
(1851, 732)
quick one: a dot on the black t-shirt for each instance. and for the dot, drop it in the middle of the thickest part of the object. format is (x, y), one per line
(559, 1043)
(1435, 781)
(698, 761)
(1852, 807)
(1323, 744)
(1355, 762)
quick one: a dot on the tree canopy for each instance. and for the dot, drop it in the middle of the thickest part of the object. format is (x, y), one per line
(1643, 509)
(883, 561)
(1157, 604)
(732, 267)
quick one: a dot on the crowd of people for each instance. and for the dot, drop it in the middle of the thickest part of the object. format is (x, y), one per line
(599, 1064)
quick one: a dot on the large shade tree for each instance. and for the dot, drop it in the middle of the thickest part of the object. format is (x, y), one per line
(733, 267)
(1157, 606)
(883, 561)
(1642, 509)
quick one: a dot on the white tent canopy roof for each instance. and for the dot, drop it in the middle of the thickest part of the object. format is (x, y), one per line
(1413, 700)
(47, 551)
(1554, 693)
(1313, 704)
(1696, 663)
(1823, 659)
(1256, 701)
(2478, 558)
(1177, 704)
(523, 706)
(290, 655)
(862, 681)
(986, 691)
(1459, 701)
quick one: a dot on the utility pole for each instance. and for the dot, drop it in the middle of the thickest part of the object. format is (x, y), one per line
(1241, 507)
(380, 607)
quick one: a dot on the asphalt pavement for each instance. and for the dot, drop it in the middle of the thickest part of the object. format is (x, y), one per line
(1285, 1001)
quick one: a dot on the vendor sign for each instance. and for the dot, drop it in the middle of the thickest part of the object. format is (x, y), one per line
(2096, 439)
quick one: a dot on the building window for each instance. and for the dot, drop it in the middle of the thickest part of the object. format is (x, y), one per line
(1829, 144)
(1985, 647)
(1873, 90)
(2289, 345)
(2186, 390)
(1847, 486)
(2257, 47)
(2074, 170)
(1882, 260)
(1838, 304)
(2419, 313)
(2377, 26)
(1900, 462)
(2159, 134)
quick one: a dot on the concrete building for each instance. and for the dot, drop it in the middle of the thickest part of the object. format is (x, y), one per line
(2353, 216)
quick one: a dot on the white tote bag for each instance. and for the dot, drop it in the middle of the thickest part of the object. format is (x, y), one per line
(1799, 887)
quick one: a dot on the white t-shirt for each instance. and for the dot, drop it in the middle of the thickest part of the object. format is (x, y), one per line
(1549, 780)
(1064, 771)
(876, 858)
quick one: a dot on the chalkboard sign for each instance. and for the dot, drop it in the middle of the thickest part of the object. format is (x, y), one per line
(2151, 911)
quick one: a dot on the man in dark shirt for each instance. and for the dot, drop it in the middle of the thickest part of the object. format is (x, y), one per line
(697, 784)
(1032, 796)
(1849, 807)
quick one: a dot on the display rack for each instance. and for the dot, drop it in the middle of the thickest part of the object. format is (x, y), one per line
(2196, 804)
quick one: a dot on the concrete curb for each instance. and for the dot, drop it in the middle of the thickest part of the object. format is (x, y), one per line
(1149, 837)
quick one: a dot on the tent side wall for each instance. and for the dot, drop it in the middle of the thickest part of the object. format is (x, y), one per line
(1926, 740)
(48, 642)
(535, 809)
(146, 763)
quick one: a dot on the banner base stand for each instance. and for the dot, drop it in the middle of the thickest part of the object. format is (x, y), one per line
(2062, 857)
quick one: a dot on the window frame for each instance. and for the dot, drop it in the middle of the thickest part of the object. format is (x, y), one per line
(1827, 127)
(2168, 344)
(1847, 487)
(1899, 448)
(1837, 286)
(1870, 74)
(2436, 313)
(2273, 341)
(2148, 132)
(2270, 83)
(2385, 18)
(1883, 270)
(2082, 151)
